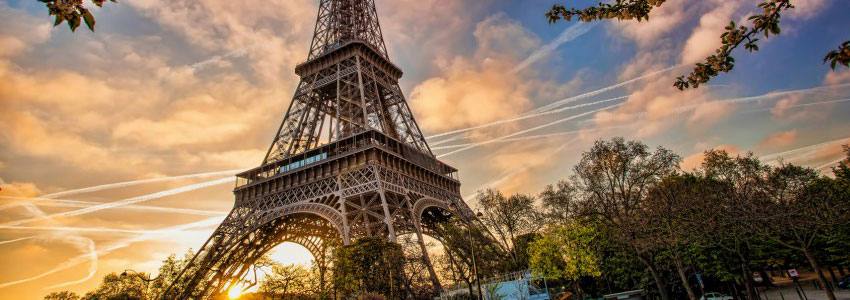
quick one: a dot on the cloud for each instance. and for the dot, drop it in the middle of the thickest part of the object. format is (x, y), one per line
(705, 38)
(18, 189)
(662, 21)
(806, 9)
(481, 89)
(13, 41)
(837, 77)
(694, 161)
(273, 36)
(788, 109)
(779, 140)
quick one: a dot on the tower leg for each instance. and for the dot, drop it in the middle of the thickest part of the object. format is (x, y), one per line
(426, 259)
(388, 219)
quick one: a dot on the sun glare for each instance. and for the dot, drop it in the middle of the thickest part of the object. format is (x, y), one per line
(235, 292)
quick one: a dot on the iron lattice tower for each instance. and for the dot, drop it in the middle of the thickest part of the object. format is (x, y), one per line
(348, 161)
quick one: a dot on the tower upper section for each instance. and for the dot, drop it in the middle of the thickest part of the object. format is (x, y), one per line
(343, 21)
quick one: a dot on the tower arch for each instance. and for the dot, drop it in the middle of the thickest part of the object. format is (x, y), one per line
(348, 160)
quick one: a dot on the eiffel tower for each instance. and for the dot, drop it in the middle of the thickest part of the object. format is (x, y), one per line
(348, 162)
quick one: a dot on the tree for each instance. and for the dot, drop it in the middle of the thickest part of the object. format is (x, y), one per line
(508, 218)
(370, 265)
(766, 23)
(559, 201)
(289, 281)
(168, 273)
(803, 207)
(417, 280)
(842, 171)
(460, 240)
(72, 11)
(124, 286)
(675, 209)
(729, 222)
(615, 177)
(566, 252)
(63, 295)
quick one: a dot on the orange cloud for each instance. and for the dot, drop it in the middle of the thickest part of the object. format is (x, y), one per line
(18, 189)
(694, 161)
(837, 77)
(779, 140)
(480, 90)
(705, 38)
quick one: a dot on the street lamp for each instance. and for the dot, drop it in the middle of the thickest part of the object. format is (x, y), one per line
(144, 277)
(471, 248)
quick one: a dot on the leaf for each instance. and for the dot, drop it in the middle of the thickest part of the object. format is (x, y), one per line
(89, 19)
(74, 22)
(59, 20)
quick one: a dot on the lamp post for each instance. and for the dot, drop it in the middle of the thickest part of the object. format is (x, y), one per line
(471, 249)
(144, 277)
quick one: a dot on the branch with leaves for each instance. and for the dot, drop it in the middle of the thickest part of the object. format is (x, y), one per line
(766, 23)
(722, 61)
(840, 56)
(72, 11)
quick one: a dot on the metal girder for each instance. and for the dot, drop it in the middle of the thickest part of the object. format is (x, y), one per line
(348, 162)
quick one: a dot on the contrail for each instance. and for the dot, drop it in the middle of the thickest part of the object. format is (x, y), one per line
(85, 244)
(830, 164)
(152, 235)
(75, 229)
(529, 130)
(806, 149)
(18, 240)
(784, 93)
(567, 35)
(734, 100)
(569, 132)
(451, 139)
(83, 204)
(140, 182)
(600, 91)
(801, 105)
(564, 101)
(503, 178)
(544, 109)
(124, 202)
(534, 137)
(204, 63)
(523, 117)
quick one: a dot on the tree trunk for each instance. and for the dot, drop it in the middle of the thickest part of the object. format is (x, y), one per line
(748, 277)
(832, 275)
(684, 277)
(659, 281)
(577, 290)
(814, 263)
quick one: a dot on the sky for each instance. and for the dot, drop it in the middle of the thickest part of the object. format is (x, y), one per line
(182, 87)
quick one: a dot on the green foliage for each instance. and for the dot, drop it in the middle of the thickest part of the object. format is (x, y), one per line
(72, 11)
(120, 287)
(842, 171)
(370, 265)
(63, 295)
(620, 10)
(290, 281)
(508, 218)
(566, 252)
